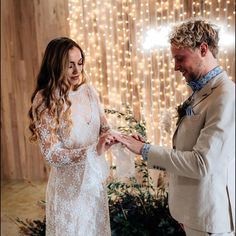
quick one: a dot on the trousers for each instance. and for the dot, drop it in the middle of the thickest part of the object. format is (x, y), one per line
(192, 232)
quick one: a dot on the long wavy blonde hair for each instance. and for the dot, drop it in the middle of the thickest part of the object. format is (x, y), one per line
(53, 85)
(193, 33)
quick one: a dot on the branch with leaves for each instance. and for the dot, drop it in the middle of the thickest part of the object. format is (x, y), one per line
(132, 123)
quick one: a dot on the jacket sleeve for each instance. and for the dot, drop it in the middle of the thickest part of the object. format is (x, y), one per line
(214, 147)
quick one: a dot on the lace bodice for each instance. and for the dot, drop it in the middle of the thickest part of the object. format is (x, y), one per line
(87, 120)
(76, 196)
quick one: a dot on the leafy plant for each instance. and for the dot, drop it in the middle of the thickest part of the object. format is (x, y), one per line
(139, 208)
(132, 123)
(32, 227)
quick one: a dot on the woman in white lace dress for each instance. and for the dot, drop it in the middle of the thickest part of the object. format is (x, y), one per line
(70, 125)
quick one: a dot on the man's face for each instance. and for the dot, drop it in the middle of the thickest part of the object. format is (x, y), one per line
(188, 61)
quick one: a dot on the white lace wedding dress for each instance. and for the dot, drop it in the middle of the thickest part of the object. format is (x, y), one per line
(76, 198)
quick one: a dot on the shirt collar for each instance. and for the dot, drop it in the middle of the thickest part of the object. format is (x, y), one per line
(199, 84)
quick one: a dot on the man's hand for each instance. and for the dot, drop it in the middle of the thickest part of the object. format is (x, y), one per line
(132, 143)
(138, 137)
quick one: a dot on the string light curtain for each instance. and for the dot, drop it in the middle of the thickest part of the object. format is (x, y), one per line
(128, 58)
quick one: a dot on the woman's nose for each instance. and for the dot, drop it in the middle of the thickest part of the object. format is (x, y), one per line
(76, 69)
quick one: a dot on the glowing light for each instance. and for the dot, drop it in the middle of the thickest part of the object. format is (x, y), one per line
(227, 39)
(156, 38)
(127, 53)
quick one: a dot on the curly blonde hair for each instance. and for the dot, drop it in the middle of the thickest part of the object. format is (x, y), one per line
(193, 33)
(53, 85)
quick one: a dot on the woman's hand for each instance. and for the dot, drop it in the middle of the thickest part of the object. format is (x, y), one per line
(105, 141)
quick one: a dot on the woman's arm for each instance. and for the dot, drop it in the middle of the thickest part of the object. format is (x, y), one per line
(51, 144)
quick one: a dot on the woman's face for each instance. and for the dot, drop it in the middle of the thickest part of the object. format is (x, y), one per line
(75, 66)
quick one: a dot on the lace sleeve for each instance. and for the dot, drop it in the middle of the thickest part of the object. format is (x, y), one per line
(104, 126)
(52, 146)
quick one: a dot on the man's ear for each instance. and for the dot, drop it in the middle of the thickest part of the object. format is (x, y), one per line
(203, 49)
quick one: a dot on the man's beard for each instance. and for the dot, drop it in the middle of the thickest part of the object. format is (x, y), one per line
(192, 77)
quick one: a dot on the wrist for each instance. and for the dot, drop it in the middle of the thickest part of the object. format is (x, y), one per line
(145, 150)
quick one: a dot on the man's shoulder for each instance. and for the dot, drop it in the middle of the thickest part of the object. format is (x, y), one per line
(225, 90)
(223, 80)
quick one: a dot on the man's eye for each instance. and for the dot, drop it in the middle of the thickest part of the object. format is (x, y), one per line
(179, 59)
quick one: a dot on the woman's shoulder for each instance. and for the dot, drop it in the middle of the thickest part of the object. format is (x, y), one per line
(38, 98)
(92, 89)
(38, 104)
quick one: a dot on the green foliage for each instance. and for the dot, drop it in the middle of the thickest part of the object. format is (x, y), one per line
(32, 227)
(140, 209)
(132, 123)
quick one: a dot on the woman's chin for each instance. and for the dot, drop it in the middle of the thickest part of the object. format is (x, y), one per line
(75, 82)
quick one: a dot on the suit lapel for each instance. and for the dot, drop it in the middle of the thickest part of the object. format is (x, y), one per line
(207, 89)
(204, 93)
(176, 128)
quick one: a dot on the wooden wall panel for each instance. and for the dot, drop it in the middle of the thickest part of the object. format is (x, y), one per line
(110, 34)
(26, 28)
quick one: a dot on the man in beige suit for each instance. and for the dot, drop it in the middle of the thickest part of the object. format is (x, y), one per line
(201, 163)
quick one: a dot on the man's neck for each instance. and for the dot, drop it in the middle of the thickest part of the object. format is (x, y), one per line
(210, 63)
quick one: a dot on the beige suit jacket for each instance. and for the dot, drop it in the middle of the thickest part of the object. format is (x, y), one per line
(202, 161)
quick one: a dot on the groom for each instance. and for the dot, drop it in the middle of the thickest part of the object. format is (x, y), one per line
(201, 162)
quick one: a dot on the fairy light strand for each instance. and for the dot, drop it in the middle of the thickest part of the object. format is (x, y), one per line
(111, 35)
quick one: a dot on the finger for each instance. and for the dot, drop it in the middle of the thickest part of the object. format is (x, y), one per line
(141, 138)
(114, 132)
(116, 135)
(118, 138)
(104, 135)
(130, 141)
(107, 141)
(135, 136)
(107, 134)
(130, 138)
(112, 139)
(124, 142)
(138, 137)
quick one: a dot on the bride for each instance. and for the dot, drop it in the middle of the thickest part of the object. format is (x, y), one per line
(69, 123)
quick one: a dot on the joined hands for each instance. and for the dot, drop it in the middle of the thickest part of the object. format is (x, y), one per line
(134, 142)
